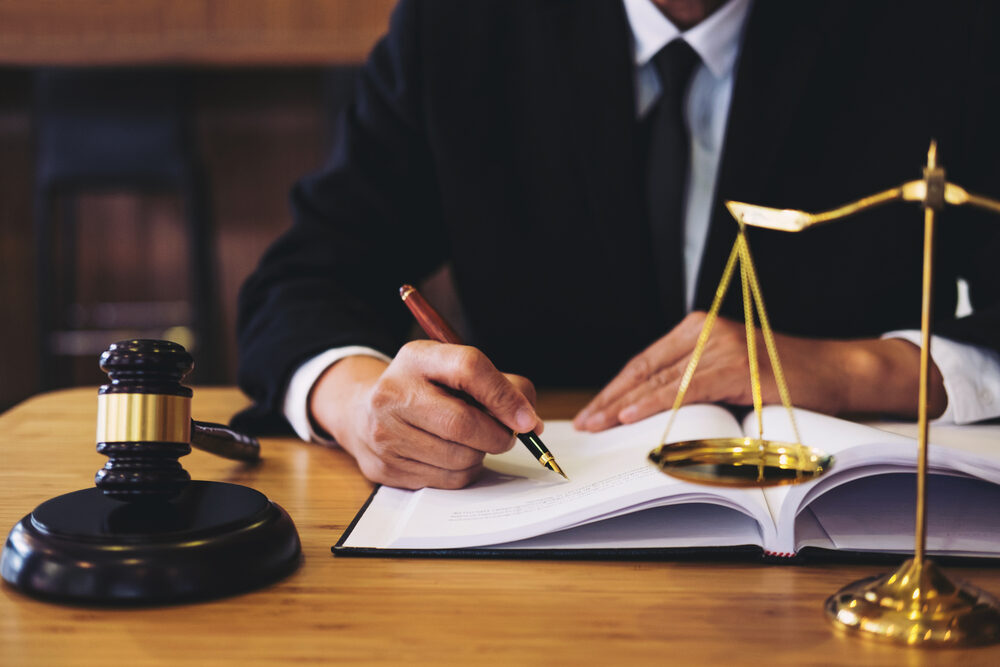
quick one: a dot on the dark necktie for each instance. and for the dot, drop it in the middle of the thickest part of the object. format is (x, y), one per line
(667, 174)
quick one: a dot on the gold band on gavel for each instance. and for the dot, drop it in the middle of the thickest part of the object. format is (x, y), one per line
(143, 418)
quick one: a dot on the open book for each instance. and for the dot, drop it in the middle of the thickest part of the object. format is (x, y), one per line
(617, 501)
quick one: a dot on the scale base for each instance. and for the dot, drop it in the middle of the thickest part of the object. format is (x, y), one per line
(213, 539)
(917, 605)
(741, 462)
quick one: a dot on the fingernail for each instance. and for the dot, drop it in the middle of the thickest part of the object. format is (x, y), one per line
(595, 421)
(526, 420)
(629, 413)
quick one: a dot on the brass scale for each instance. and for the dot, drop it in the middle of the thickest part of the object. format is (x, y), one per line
(917, 604)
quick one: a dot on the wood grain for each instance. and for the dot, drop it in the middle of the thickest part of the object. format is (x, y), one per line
(215, 32)
(399, 611)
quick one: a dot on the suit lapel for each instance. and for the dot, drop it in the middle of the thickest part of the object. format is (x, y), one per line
(593, 74)
(779, 49)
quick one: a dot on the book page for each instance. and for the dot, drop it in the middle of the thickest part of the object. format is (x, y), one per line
(876, 513)
(830, 435)
(980, 440)
(862, 452)
(517, 499)
(671, 527)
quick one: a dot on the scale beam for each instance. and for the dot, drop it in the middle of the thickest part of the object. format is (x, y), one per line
(792, 220)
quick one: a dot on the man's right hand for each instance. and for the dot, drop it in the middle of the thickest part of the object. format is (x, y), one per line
(408, 424)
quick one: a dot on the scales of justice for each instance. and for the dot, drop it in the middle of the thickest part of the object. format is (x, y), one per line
(917, 604)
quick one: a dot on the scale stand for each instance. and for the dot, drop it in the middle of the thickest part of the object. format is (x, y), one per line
(917, 604)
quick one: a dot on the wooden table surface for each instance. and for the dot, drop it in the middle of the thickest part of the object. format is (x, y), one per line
(201, 32)
(397, 611)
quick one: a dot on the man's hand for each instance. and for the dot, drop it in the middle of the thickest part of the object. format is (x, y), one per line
(830, 376)
(410, 424)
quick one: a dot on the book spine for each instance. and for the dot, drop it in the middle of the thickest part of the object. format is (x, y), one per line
(780, 557)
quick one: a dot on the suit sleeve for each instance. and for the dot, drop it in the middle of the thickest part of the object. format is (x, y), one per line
(368, 222)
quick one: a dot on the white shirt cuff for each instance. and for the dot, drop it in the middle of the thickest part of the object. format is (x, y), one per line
(971, 377)
(296, 405)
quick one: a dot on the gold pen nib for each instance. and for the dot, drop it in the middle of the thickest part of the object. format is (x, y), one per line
(549, 462)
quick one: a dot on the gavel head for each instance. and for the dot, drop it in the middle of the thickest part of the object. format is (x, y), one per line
(144, 420)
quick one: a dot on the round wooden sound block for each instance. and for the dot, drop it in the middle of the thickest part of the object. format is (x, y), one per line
(212, 539)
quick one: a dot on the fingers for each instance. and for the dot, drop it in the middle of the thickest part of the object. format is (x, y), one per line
(470, 371)
(648, 365)
(433, 415)
(636, 372)
(523, 385)
(526, 387)
(395, 440)
(714, 384)
(406, 473)
(454, 423)
(660, 390)
(434, 439)
(722, 376)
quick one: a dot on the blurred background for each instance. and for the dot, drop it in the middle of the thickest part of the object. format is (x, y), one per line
(147, 148)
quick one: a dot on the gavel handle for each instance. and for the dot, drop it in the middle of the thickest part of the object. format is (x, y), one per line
(224, 441)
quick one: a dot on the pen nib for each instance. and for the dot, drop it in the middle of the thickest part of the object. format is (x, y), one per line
(554, 467)
(544, 456)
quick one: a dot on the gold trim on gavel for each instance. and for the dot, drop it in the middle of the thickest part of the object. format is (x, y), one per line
(143, 418)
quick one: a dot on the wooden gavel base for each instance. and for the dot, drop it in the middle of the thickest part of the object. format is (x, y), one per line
(213, 539)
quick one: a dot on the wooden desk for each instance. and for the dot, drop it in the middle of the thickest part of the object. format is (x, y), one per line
(416, 611)
(212, 32)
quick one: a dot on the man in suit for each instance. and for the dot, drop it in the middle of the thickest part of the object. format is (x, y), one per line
(570, 160)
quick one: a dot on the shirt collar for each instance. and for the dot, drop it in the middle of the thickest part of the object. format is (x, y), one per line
(716, 39)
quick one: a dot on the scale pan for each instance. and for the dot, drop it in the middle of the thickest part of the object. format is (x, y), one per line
(741, 462)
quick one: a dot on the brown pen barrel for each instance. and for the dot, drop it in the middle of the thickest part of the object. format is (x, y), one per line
(427, 317)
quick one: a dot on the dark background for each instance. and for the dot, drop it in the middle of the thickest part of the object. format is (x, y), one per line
(258, 130)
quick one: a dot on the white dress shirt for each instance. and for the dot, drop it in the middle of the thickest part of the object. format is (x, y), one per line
(971, 374)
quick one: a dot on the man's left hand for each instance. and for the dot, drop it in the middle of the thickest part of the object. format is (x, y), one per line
(829, 376)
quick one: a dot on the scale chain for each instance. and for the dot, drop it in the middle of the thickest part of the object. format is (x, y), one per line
(699, 347)
(751, 293)
(769, 342)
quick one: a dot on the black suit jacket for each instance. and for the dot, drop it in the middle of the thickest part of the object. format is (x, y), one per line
(500, 135)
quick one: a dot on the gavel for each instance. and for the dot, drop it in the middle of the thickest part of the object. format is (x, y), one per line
(149, 534)
(144, 422)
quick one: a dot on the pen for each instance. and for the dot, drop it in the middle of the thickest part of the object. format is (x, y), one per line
(435, 327)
